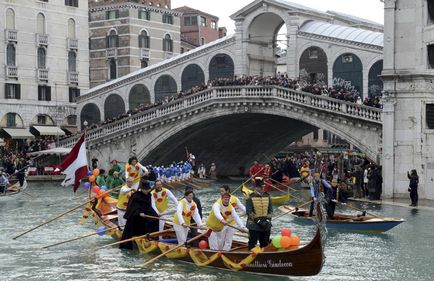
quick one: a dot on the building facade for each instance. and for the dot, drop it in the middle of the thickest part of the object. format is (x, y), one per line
(44, 61)
(126, 36)
(198, 28)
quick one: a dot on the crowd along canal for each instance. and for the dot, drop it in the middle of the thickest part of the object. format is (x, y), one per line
(404, 253)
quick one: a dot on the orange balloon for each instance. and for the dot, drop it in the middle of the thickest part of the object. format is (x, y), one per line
(92, 178)
(295, 240)
(95, 172)
(285, 242)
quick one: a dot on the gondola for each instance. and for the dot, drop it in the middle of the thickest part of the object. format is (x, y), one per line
(356, 223)
(303, 260)
(275, 200)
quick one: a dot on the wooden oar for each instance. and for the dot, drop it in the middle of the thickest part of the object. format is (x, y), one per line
(79, 195)
(292, 210)
(169, 220)
(175, 248)
(287, 186)
(194, 184)
(158, 233)
(80, 237)
(249, 179)
(237, 228)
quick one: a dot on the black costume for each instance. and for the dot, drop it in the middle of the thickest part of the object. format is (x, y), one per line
(136, 225)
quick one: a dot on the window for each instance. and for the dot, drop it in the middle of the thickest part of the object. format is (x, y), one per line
(11, 120)
(111, 15)
(42, 119)
(40, 24)
(187, 21)
(113, 70)
(182, 50)
(430, 116)
(431, 11)
(144, 40)
(44, 93)
(194, 21)
(144, 15)
(74, 93)
(10, 51)
(71, 29)
(12, 91)
(167, 18)
(10, 19)
(72, 3)
(112, 39)
(72, 61)
(203, 21)
(167, 43)
(315, 134)
(144, 63)
(202, 41)
(214, 25)
(430, 49)
(42, 58)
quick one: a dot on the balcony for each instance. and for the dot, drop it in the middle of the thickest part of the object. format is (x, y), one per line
(42, 74)
(11, 71)
(73, 77)
(41, 39)
(112, 53)
(144, 53)
(72, 44)
(168, 55)
(11, 35)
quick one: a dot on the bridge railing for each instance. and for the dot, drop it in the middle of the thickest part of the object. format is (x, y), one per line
(244, 92)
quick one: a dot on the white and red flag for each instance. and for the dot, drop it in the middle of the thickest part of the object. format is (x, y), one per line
(75, 164)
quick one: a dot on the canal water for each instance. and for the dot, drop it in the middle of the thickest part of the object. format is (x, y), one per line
(404, 253)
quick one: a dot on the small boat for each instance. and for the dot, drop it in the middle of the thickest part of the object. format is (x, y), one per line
(275, 200)
(11, 190)
(303, 260)
(357, 223)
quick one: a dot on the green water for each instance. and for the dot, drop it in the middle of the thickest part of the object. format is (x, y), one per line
(404, 253)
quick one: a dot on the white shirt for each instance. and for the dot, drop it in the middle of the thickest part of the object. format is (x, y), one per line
(218, 210)
(169, 194)
(241, 206)
(195, 216)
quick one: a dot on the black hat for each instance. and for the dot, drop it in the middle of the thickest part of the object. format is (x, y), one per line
(145, 185)
(188, 187)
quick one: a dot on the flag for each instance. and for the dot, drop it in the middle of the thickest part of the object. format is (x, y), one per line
(75, 165)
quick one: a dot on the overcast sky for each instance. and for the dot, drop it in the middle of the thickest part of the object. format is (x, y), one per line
(368, 9)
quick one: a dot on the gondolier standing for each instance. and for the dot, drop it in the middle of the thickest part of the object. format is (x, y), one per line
(259, 211)
(317, 185)
(160, 199)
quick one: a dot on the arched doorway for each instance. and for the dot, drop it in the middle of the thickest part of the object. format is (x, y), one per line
(139, 94)
(375, 84)
(113, 106)
(348, 73)
(192, 76)
(165, 87)
(221, 66)
(313, 66)
(91, 114)
(262, 43)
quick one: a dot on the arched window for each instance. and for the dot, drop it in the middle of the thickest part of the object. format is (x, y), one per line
(71, 29)
(113, 71)
(202, 41)
(72, 61)
(167, 43)
(144, 41)
(42, 58)
(10, 19)
(11, 120)
(112, 39)
(10, 50)
(40, 24)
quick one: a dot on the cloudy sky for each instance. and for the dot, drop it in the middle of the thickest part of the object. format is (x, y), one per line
(368, 9)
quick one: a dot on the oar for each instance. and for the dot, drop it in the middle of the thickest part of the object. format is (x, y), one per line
(158, 233)
(80, 237)
(287, 186)
(168, 220)
(175, 248)
(79, 195)
(292, 210)
(237, 228)
(357, 209)
(249, 179)
(195, 185)
(26, 193)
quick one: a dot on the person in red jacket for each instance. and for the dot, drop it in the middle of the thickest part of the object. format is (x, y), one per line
(256, 170)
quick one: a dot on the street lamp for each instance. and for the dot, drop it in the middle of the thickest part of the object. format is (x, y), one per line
(85, 123)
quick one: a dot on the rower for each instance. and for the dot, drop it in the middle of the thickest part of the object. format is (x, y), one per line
(4, 182)
(160, 201)
(124, 196)
(234, 201)
(317, 185)
(259, 211)
(186, 210)
(222, 215)
(135, 170)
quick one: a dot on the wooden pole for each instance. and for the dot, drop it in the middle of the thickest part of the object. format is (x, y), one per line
(287, 186)
(137, 237)
(357, 209)
(249, 179)
(175, 248)
(292, 210)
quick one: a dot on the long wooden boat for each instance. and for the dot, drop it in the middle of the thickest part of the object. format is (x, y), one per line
(357, 223)
(11, 190)
(275, 200)
(304, 260)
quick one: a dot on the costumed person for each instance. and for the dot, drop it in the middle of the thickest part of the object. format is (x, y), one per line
(123, 198)
(221, 216)
(193, 231)
(213, 171)
(135, 170)
(256, 170)
(100, 179)
(117, 167)
(267, 181)
(137, 224)
(234, 201)
(414, 181)
(317, 185)
(185, 211)
(201, 171)
(116, 181)
(4, 182)
(259, 211)
(20, 171)
(192, 160)
(160, 201)
(305, 170)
